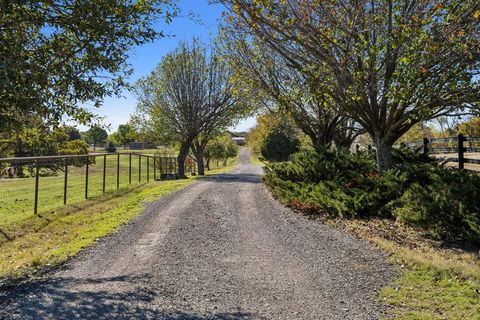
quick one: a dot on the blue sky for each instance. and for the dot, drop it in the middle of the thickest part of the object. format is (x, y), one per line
(145, 58)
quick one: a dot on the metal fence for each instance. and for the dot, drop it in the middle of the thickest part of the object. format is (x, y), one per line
(33, 184)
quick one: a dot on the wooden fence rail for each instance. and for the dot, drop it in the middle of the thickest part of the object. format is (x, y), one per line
(451, 145)
(460, 149)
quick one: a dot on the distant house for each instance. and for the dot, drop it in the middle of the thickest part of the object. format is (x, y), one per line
(239, 140)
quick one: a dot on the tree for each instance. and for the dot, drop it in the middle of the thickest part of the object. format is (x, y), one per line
(96, 135)
(36, 138)
(279, 87)
(388, 64)
(231, 149)
(124, 135)
(416, 133)
(58, 54)
(190, 94)
(215, 150)
(280, 143)
(471, 127)
(257, 134)
(72, 132)
(221, 147)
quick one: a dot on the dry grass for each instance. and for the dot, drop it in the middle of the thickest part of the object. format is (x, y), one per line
(468, 166)
(435, 281)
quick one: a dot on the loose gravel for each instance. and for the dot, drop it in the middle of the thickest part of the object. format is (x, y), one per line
(220, 249)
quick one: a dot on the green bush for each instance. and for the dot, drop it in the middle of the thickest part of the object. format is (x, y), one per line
(418, 190)
(75, 147)
(280, 143)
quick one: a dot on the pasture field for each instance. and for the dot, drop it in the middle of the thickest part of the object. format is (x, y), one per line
(17, 195)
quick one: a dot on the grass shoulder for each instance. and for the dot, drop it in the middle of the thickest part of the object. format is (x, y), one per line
(434, 281)
(255, 159)
(43, 242)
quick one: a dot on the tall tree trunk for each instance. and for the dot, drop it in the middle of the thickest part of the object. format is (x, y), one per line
(207, 165)
(182, 156)
(198, 147)
(200, 163)
(19, 152)
(384, 153)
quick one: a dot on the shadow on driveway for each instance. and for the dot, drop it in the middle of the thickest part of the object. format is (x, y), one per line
(95, 299)
(241, 178)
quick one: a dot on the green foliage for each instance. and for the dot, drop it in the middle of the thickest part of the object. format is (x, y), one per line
(110, 147)
(125, 134)
(57, 54)
(445, 201)
(72, 132)
(73, 147)
(257, 134)
(383, 63)
(220, 148)
(418, 190)
(96, 135)
(280, 142)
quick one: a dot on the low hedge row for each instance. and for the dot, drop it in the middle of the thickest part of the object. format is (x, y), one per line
(418, 189)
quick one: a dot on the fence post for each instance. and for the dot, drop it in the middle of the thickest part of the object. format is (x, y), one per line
(118, 171)
(65, 181)
(461, 156)
(86, 177)
(104, 171)
(129, 168)
(139, 168)
(154, 168)
(148, 168)
(357, 148)
(425, 145)
(37, 176)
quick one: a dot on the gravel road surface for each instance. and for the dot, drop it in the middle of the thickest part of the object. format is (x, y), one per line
(220, 249)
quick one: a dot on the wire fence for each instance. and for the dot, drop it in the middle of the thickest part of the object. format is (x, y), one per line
(34, 184)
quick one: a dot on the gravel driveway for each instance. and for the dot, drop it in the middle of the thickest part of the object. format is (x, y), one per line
(221, 249)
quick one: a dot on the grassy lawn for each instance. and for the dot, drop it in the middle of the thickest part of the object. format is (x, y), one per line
(34, 242)
(17, 200)
(434, 282)
(17, 195)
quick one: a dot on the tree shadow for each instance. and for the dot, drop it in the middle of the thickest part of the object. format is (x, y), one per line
(241, 178)
(7, 237)
(122, 297)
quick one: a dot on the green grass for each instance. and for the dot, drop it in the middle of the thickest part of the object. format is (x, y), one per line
(17, 195)
(34, 242)
(432, 284)
(433, 281)
(254, 159)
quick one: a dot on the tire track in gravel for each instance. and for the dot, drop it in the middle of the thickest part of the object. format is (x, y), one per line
(221, 249)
